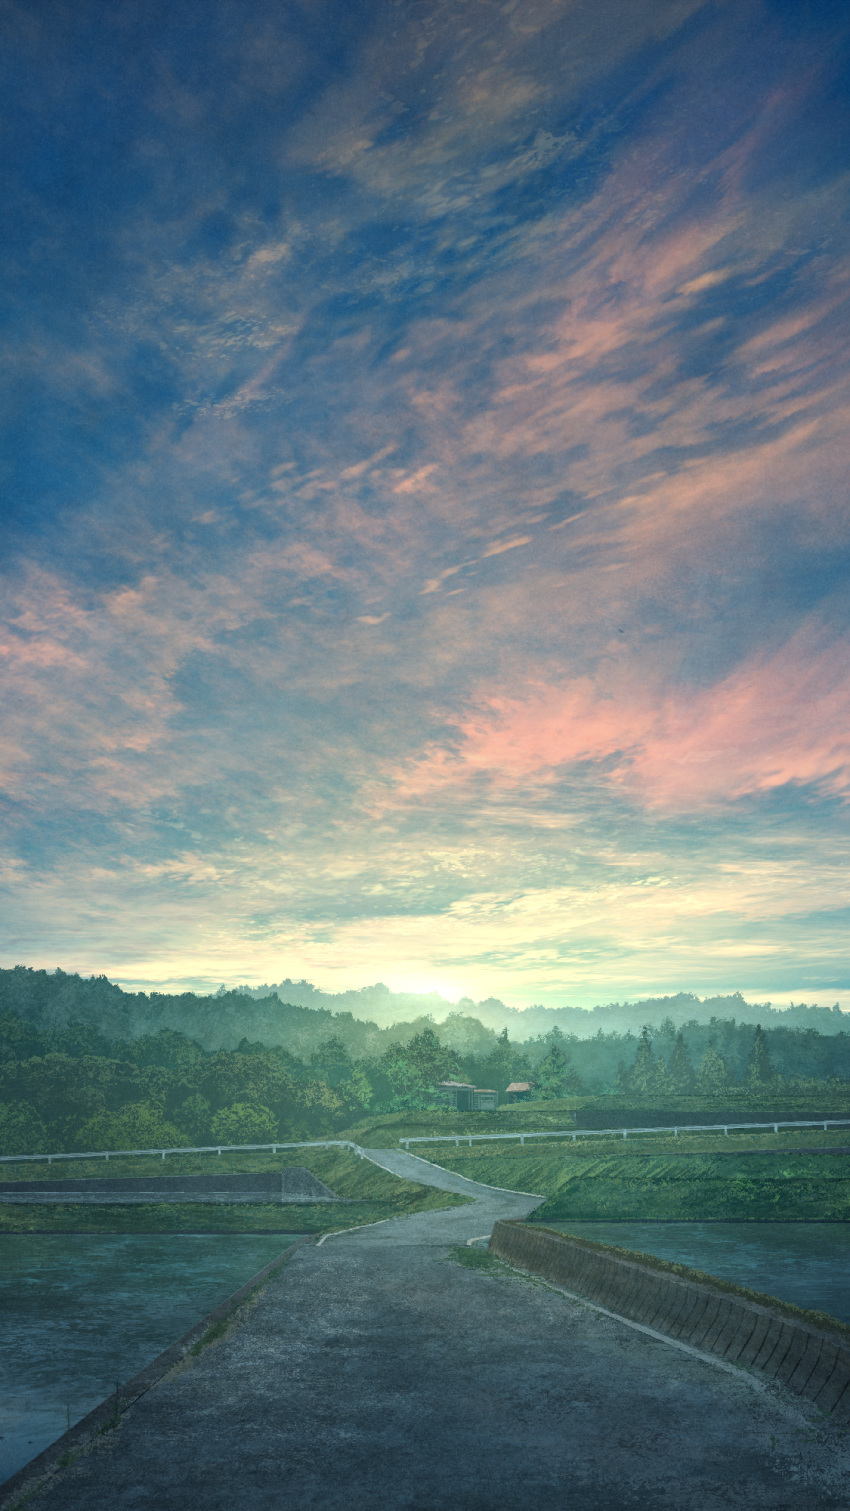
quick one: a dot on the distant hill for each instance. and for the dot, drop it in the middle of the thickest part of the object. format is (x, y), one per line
(386, 1008)
(299, 1016)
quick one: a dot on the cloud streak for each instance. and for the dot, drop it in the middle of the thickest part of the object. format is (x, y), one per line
(429, 535)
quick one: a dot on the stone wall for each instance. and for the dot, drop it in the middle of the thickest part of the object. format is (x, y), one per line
(811, 1362)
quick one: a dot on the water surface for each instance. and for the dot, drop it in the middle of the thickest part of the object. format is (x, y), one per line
(802, 1262)
(80, 1313)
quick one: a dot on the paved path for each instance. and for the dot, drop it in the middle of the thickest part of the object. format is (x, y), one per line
(379, 1374)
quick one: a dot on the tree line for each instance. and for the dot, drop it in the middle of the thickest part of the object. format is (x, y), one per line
(71, 1087)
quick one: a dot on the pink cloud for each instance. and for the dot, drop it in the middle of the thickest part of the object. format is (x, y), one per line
(778, 719)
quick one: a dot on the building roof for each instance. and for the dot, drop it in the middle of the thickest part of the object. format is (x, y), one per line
(519, 1086)
(461, 1085)
(488, 1091)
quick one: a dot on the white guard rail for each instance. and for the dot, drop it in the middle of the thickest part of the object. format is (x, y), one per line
(107, 1154)
(434, 1138)
(576, 1133)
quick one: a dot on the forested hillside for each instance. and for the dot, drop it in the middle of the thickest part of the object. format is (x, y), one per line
(298, 1016)
(85, 1065)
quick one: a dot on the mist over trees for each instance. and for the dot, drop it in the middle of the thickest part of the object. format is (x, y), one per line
(386, 1008)
(69, 1080)
(297, 1015)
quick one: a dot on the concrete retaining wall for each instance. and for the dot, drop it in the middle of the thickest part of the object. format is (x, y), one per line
(292, 1184)
(810, 1362)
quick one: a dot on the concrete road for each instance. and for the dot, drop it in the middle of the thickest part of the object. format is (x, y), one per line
(380, 1374)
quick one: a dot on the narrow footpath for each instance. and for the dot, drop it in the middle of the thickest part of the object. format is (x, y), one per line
(377, 1373)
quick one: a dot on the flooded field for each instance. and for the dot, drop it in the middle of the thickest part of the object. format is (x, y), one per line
(79, 1314)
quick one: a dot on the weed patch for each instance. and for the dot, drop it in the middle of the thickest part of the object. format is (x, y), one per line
(212, 1335)
(490, 1264)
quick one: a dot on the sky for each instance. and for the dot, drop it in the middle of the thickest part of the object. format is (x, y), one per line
(424, 468)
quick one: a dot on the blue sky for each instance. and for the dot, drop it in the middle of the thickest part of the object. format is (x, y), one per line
(425, 513)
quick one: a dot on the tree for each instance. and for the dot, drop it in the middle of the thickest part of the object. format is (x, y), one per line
(505, 1063)
(680, 1071)
(139, 1126)
(713, 1076)
(331, 1062)
(643, 1073)
(356, 1091)
(245, 1076)
(19, 1040)
(555, 1076)
(245, 1123)
(315, 1109)
(21, 1130)
(167, 1047)
(195, 1117)
(760, 1070)
(415, 1068)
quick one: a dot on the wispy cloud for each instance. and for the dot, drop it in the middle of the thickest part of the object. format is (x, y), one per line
(436, 504)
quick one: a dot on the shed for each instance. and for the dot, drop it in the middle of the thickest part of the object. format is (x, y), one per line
(519, 1089)
(484, 1100)
(464, 1097)
(458, 1094)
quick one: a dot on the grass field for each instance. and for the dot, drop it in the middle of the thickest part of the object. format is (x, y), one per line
(372, 1194)
(761, 1177)
(384, 1132)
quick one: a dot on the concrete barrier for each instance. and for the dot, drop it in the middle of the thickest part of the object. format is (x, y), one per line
(810, 1360)
(292, 1184)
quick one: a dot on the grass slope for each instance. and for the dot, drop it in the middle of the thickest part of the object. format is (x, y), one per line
(384, 1131)
(658, 1178)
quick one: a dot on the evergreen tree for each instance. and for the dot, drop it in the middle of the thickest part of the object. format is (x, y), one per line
(643, 1073)
(680, 1072)
(555, 1076)
(505, 1063)
(713, 1076)
(759, 1067)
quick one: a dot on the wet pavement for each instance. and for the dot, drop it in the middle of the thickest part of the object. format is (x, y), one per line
(376, 1371)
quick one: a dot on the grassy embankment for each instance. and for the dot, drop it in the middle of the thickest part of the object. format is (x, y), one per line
(371, 1193)
(593, 1112)
(742, 1177)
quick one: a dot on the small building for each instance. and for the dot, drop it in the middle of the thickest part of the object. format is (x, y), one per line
(484, 1100)
(462, 1096)
(519, 1090)
(458, 1094)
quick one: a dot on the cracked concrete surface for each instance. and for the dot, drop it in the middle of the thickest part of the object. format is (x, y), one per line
(377, 1372)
